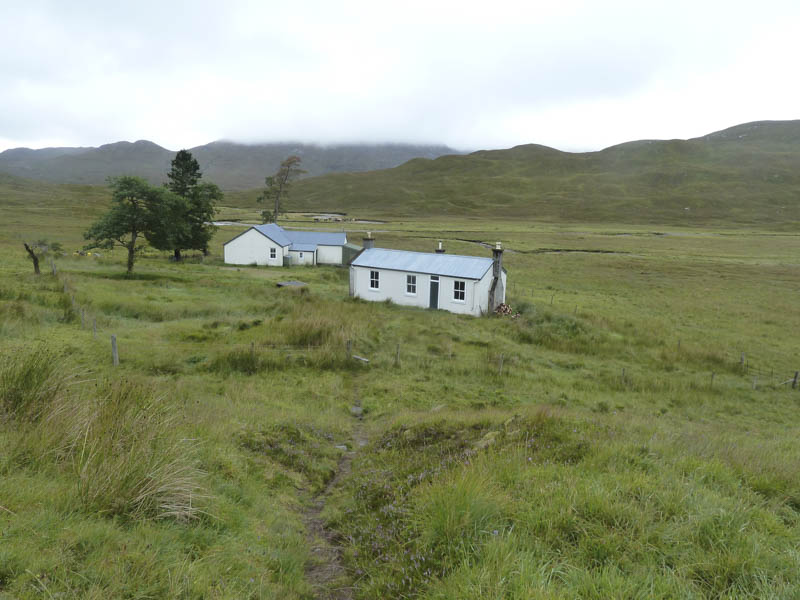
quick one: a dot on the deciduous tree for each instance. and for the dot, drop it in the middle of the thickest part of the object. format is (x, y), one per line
(138, 211)
(278, 187)
(40, 249)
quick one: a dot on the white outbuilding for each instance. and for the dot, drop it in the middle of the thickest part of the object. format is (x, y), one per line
(471, 285)
(274, 246)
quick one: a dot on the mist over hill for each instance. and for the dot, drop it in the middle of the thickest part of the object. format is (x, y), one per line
(742, 176)
(230, 165)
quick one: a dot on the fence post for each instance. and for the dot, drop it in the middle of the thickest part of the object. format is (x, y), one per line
(114, 354)
(794, 381)
(755, 382)
(94, 327)
(712, 380)
(82, 319)
(500, 372)
(397, 356)
(349, 348)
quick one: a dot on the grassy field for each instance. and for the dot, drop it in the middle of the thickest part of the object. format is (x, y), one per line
(629, 435)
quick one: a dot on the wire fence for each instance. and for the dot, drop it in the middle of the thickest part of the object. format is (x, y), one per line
(762, 374)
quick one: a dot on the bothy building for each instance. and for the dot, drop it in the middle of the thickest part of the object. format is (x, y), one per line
(272, 245)
(471, 285)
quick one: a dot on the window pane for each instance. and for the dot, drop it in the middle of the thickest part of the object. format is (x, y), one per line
(459, 290)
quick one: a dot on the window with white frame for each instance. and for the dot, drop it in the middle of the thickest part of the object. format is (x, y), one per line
(411, 285)
(273, 252)
(374, 280)
(459, 291)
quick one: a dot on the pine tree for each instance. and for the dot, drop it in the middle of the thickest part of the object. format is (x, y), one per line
(196, 228)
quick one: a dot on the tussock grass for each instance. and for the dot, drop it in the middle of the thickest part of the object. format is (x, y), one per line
(117, 439)
(29, 383)
(247, 362)
(128, 460)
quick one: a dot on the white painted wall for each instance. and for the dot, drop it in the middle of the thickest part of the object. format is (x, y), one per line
(393, 287)
(251, 248)
(307, 257)
(329, 255)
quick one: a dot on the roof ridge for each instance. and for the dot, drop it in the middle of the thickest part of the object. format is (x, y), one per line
(430, 253)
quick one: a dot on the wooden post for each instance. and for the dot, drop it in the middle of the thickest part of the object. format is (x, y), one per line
(623, 375)
(397, 356)
(794, 381)
(65, 287)
(500, 372)
(712, 380)
(349, 348)
(114, 354)
(575, 312)
(755, 382)
(53, 266)
(94, 327)
(679, 344)
(741, 361)
(82, 319)
(551, 299)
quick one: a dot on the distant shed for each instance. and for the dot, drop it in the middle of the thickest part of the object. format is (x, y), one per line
(272, 245)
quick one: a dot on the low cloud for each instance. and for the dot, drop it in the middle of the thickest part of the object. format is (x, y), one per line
(579, 75)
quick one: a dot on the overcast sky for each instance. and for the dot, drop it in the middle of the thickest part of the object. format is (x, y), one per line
(575, 75)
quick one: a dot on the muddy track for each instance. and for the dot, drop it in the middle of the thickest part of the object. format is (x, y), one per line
(326, 572)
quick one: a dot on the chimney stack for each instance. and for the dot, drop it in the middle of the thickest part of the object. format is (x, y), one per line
(440, 250)
(497, 257)
(369, 241)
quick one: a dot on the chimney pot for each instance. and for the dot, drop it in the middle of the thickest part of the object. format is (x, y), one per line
(368, 241)
(440, 250)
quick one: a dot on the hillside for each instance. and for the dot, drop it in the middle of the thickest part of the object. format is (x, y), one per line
(748, 174)
(230, 165)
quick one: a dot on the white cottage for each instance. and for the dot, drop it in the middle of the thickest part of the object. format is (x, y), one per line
(471, 285)
(274, 246)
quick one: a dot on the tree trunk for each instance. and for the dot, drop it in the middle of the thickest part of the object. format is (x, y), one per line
(177, 254)
(34, 258)
(277, 207)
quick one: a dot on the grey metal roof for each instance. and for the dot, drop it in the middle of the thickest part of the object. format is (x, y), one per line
(319, 238)
(288, 237)
(303, 247)
(274, 232)
(448, 265)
